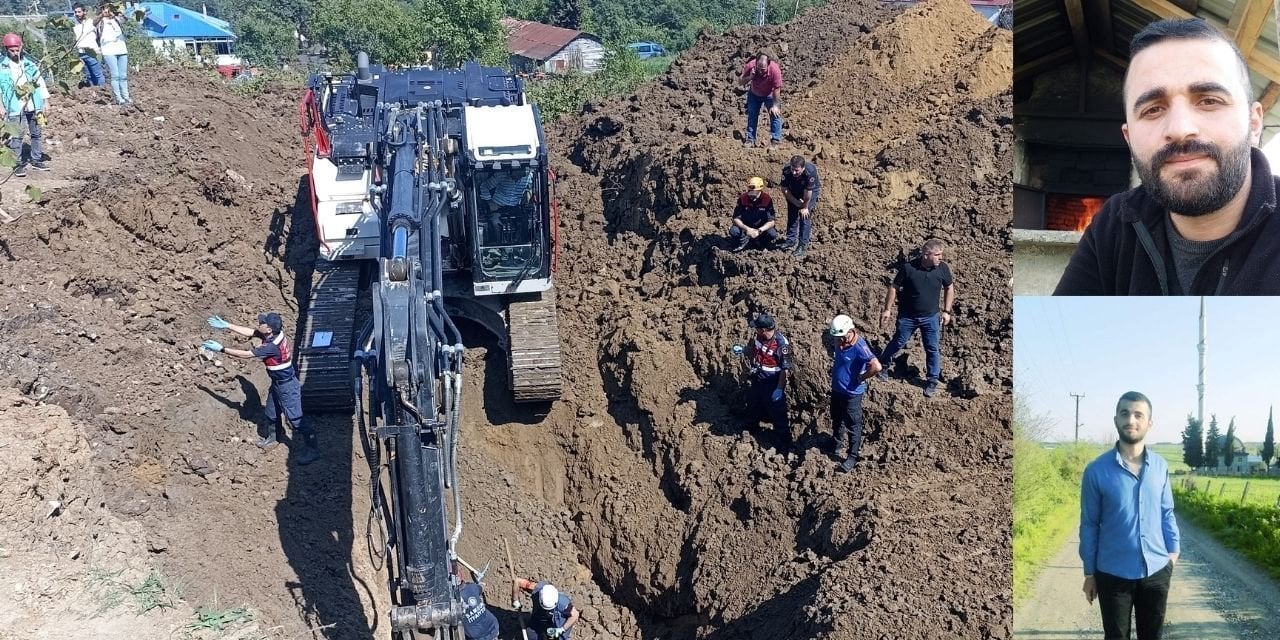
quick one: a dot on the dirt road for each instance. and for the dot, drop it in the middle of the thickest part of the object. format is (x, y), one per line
(1216, 595)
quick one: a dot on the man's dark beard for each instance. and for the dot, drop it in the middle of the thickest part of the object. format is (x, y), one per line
(1127, 440)
(1210, 192)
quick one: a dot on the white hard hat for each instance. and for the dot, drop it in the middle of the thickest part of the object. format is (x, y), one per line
(841, 325)
(548, 597)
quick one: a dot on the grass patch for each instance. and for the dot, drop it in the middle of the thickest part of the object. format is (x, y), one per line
(1263, 492)
(566, 93)
(216, 620)
(154, 592)
(1251, 529)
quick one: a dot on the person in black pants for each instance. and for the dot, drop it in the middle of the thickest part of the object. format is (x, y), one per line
(1129, 540)
(852, 364)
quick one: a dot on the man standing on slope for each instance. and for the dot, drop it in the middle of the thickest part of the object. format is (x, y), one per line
(1128, 533)
(763, 79)
(852, 364)
(916, 289)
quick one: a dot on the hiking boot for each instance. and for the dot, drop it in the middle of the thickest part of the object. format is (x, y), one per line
(41, 165)
(267, 442)
(799, 252)
(849, 464)
(20, 171)
(787, 245)
(930, 388)
(310, 449)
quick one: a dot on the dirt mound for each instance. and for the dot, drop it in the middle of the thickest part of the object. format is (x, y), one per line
(641, 494)
(909, 125)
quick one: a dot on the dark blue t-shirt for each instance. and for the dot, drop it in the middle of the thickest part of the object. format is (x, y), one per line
(797, 185)
(847, 366)
(540, 619)
(477, 621)
(277, 356)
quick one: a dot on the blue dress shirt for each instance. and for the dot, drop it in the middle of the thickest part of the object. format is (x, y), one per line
(1127, 527)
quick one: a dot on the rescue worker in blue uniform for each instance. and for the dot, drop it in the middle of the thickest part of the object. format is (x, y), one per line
(801, 187)
(754, 218)
(852, 364)
(285, 395)
(552, 615)
(478, 622)
(769, 356)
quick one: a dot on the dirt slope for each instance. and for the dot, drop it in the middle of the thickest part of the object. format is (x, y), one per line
(642, 494)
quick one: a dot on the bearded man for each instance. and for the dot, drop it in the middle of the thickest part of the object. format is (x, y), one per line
(1204, 221)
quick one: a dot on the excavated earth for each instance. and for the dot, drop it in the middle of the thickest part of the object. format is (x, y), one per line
(644, 493)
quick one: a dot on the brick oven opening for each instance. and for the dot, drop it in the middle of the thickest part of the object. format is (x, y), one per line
(1063, 212)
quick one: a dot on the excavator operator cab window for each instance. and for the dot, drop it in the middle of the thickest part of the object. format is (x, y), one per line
(507, 218)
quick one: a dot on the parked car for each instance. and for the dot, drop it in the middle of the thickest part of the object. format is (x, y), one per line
(648, 50)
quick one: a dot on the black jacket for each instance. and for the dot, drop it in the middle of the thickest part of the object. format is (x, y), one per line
(1125, 250)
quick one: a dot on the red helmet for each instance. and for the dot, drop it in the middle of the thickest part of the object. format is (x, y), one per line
(12, 40)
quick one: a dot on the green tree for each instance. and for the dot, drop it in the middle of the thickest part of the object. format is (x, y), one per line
(1193, 443)
(1229, 448)
(464, 30)
(263, 37)
(1269, 444)
(570, 14)
(1211, 443)
(391, 32)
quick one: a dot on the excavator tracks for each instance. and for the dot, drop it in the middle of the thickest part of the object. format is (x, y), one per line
(325, 371)
(533, 355)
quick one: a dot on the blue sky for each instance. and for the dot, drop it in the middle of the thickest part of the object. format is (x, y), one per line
(1102, 347)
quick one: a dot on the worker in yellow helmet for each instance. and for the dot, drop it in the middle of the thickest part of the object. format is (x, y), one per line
(754, 219)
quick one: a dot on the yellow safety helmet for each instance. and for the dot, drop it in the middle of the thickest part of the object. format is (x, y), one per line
(756, 183)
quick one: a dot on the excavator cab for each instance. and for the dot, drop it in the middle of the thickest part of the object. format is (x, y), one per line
(508, 223)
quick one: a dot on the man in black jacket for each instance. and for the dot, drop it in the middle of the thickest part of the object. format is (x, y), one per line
(1203, 221)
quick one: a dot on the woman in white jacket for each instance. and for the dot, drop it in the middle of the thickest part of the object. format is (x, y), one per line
(115, 54)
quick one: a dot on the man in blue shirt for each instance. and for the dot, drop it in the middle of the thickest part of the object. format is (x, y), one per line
(503, 191)
(552, 616)
(852, 364)
(478, 622)
(1128, 533)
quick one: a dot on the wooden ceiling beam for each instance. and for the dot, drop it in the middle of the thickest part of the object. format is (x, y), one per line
(1263, 64)
(1269, 96)
(1250, 26)
(1079, 31)
(1043, 63)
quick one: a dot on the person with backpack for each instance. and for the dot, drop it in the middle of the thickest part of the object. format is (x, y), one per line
(24, 94)
(110, 29)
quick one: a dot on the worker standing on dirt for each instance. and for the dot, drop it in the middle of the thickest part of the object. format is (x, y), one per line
(763, 79)
(769, 356)
(801, 187)
(87, 47)
(478, 622)
(754, 218)
(552, 615)
(285, 395)
(852, 364)
(1129, 539)
(24, 94)
(916, 289)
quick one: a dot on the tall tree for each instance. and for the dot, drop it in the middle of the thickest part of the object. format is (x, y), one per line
(1269, 444)
(570, 14)
(1211, 443)
(264, 38)
(464, 30)
(390, 31)
(1229, 447)
(1193, 443)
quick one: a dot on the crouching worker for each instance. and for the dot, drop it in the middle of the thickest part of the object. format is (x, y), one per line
(754, 219)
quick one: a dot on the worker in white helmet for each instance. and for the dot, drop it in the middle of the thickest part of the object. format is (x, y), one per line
(552, 615)
(852, 364)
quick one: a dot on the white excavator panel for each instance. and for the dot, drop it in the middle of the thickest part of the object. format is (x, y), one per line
(345, 219)
(498, 134)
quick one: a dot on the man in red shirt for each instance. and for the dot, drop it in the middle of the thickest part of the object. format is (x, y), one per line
(763, 79)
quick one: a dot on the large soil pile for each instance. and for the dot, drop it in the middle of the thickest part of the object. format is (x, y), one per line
(642, 494)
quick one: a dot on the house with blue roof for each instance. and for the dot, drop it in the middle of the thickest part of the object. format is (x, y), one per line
(174, 28)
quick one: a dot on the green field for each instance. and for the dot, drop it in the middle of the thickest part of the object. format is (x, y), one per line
(1172, 453)
(1262, 491)
(1046, 503)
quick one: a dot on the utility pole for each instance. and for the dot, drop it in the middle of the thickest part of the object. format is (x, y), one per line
(1077, 396)
(760, 8)
(1201, 347)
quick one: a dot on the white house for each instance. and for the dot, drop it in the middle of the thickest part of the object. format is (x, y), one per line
(534, 46)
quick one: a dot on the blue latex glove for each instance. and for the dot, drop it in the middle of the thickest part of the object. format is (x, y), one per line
(738, 350)
(212, 345)
(555, 633)
(218, 323)
(777, 395)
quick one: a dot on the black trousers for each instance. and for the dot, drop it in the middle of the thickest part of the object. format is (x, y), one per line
(1122, 599)
(846, 420)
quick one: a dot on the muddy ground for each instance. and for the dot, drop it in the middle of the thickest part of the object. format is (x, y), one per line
(644, 494)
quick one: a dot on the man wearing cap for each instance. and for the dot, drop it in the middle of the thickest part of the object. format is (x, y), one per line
(285, 395)
(852, 364)
(754, 219)
(769, 356)
(917, 288)
(552, 615)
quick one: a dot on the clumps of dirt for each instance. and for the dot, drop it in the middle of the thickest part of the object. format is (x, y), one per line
(688, 514)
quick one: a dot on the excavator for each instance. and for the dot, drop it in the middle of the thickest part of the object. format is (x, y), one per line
(433, 202)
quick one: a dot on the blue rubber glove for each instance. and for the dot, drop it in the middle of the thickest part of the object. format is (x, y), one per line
(218, 323)
(212, 345)
(738, 350)
(777, 395)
